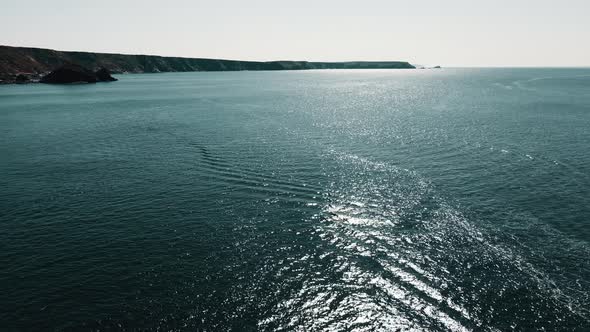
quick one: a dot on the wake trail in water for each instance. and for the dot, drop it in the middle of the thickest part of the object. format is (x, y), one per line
(408, 260)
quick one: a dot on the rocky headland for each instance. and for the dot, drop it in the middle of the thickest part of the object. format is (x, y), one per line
(23, 64)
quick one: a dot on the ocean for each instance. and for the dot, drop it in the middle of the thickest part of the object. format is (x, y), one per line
(336, 200)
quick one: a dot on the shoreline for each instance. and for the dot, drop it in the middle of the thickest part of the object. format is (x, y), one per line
(37, 77)
(24, 65)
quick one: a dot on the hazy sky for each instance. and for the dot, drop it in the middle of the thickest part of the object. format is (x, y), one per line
(450, 33)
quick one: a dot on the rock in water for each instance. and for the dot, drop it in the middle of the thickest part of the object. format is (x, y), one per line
(22, 78)
(103, 75)
(72, 73)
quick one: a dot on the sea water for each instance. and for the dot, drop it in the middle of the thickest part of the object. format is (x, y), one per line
(362, 200)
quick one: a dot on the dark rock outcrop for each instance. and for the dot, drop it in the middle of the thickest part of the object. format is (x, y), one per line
(72, 73)
(69, 73)
(103, 75)
(22, 78)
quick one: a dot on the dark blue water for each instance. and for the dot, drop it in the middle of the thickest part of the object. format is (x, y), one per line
(435, 200)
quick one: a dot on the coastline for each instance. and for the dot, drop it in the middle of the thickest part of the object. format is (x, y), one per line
(28, 65)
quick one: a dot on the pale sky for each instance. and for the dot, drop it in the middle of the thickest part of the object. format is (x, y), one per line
(429, 32)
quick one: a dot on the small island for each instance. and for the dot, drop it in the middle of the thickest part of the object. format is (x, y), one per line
(73, 73)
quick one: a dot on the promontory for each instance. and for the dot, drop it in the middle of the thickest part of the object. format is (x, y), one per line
(28, 64)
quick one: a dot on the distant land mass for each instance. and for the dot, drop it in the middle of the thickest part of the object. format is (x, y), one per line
(26, 62)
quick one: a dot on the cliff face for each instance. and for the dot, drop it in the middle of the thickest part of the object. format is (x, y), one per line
(36, 61)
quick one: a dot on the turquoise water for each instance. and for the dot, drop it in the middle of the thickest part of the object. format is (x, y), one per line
(436, 200)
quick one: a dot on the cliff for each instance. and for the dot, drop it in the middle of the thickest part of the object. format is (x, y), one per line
(34, 62)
